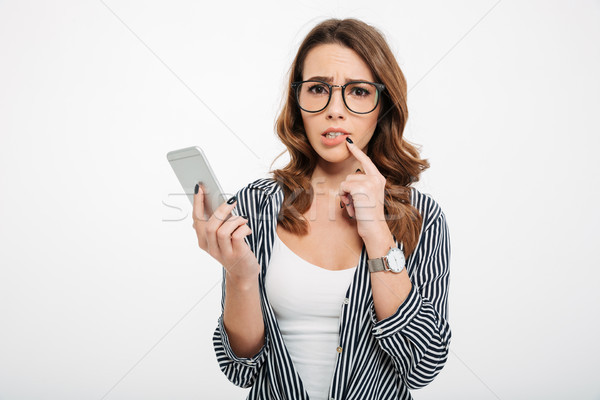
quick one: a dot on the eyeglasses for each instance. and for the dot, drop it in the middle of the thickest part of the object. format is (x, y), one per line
(360, 97)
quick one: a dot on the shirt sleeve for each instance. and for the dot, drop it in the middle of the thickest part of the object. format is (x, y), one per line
(417, 336)
(241, 371)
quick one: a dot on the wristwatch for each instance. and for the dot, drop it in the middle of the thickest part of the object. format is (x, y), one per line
(393, 261)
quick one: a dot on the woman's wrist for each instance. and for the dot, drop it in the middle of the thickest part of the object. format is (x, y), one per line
(241, 283)
(379, 241)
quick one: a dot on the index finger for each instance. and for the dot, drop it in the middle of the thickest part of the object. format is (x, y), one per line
(224, 210)
(368, 166)
(199, 207)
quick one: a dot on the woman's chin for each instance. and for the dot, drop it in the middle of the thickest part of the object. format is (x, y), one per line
(334, 157)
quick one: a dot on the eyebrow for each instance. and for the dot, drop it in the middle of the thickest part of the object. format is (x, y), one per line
(329, 79)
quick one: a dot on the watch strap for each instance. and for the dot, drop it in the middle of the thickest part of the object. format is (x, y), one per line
(376, 264)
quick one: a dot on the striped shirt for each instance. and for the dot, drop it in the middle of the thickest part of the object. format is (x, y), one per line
(376, 359)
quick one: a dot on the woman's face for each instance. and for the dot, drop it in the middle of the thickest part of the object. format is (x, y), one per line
(341, 64)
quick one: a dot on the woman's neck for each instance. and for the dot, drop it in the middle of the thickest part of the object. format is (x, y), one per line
(328, 176)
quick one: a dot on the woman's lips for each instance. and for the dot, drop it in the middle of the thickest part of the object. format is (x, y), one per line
(334, 141)
(335, 129)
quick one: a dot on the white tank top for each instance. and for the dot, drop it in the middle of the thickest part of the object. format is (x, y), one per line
(307, 301)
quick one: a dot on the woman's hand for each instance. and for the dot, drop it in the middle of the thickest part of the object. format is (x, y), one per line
(223, 238)
(363, 194)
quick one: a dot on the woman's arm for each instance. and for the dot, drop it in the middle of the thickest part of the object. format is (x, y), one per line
(240, 355)
(239, 339)
(417, 334)
(242, 316)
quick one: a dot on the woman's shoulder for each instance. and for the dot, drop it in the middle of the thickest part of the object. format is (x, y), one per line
(265, 185)
(258, 189)
(428, 207)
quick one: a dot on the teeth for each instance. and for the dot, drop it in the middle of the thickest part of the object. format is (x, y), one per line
(332, 135)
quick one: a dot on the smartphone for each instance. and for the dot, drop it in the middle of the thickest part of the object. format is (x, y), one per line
(191, 167)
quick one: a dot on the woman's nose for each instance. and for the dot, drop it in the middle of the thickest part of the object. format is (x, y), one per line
(336, 107)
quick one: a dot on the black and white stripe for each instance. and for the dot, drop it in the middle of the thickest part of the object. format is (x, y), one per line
(379, 359)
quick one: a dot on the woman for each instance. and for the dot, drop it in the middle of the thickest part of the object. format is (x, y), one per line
(336, 273)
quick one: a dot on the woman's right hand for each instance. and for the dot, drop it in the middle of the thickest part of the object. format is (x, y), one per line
(223, 238)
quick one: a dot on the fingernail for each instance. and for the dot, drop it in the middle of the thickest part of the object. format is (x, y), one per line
(196, 189)
(232, 200)
(341, 204)
(349, 140)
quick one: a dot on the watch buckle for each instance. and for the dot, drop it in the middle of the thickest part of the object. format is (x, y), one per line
(386, 265)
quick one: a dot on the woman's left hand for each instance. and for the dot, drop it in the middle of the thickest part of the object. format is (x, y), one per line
(363, 195)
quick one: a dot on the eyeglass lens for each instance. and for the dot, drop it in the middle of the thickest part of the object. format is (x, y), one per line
(361, 97)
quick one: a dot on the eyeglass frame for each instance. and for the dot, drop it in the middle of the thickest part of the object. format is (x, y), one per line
(379, 86)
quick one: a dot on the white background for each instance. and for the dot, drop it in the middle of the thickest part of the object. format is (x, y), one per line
(104, 293)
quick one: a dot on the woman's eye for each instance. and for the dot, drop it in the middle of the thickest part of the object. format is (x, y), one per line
(318, 89)
(360, 92)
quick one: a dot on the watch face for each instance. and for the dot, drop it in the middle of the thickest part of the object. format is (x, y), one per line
(396, 259)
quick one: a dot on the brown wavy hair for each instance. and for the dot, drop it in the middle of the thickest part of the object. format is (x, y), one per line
(396, 159)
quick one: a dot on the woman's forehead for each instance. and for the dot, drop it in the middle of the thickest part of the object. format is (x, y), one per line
(335, 63)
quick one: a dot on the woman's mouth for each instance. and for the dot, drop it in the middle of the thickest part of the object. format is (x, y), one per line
(333, 138)
(333, 135)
